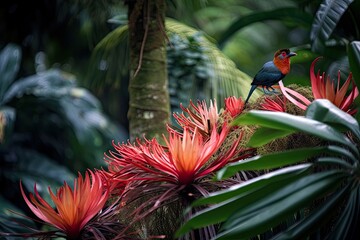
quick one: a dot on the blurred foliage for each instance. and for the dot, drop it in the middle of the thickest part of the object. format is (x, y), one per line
(188, 69)
(197, 69)
(50, 129)
(66, 31)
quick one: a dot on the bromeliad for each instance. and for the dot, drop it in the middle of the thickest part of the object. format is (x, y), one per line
(323, 87)
(233, 106)
(198, 116)
(186, 157)
(74, 208)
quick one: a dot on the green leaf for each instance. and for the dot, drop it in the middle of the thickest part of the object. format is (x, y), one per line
(334, 161)
(255, 183)
(324, 111)
(265, 135)
(278, 206)
(240, 196)
(33, 167)
(288, 122)
(354, 61)
(347, 225)
(293, 15)
(10, 58)
(275, 160)
(326, 18)
(315, 219)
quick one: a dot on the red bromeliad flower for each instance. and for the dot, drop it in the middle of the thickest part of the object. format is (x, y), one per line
(185, 159)
(325, 88)
(74, 207)
(274, 104)
(234, 106)
(199, 116)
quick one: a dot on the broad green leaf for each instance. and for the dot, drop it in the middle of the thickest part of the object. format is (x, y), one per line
(282, 193)
(265, 135)
(326, 18)
(49, 84)
(324, 111)
(255, 183)
(10, 59)
(241, 196)
(315, 219)
(350, 215)
(354, 60)
(278, 206)
(288, 122)
(293, 15)
(275, 160)
(34, 167)
(335, 161)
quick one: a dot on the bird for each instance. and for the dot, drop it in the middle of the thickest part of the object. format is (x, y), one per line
(272, 72)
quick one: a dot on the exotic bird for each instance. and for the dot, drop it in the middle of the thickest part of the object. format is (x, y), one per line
(272, 72)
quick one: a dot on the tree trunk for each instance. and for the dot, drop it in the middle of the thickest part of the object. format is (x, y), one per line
(149, 107)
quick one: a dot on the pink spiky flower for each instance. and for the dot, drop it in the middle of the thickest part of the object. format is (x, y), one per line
(325, 88)
(234, 106)
(276, 104)
(185, 159)
(198, 116)
(74, 208)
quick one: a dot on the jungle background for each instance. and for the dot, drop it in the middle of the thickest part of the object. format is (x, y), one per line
(64, 71)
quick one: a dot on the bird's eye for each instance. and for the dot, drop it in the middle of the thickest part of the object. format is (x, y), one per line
(283, 53)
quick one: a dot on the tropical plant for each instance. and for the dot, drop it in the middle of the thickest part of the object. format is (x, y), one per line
(74, 207)
(50, 129)
(323, 87)
(309, 192)
(160, 181)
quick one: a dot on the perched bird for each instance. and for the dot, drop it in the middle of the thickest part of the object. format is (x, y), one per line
(272, 72)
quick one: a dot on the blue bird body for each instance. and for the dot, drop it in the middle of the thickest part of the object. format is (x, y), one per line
(272, 72)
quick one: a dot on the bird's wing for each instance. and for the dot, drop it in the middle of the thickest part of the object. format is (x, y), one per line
(268, 75)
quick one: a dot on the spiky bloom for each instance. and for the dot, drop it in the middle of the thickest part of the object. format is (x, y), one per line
(185, 158)
(325, 88)
(234, 106)
(74, 208)
(198, 116)
(275, 104)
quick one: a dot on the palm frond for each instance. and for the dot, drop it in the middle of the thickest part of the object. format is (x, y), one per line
(110, 60)
(226, 79)
(327, 17)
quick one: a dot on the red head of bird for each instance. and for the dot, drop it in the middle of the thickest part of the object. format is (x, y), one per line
(282, 60)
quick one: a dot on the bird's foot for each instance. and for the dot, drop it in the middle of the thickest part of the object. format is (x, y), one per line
(270, 91)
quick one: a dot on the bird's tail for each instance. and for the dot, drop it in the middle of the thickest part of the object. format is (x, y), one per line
(252, 89)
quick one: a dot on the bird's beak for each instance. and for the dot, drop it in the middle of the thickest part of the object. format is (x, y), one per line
(291, 54)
